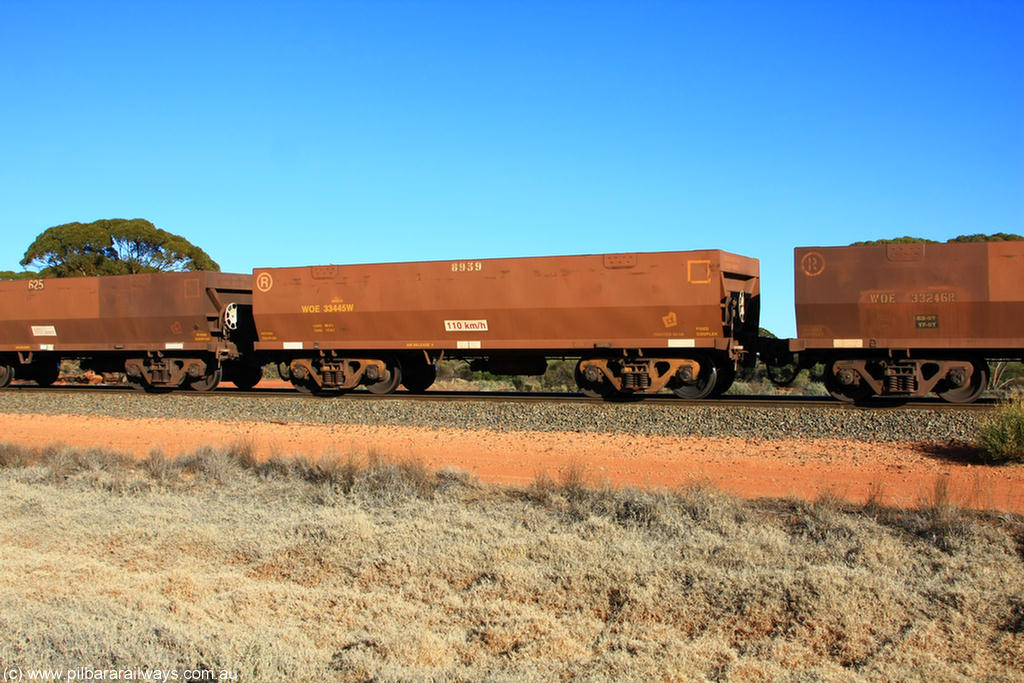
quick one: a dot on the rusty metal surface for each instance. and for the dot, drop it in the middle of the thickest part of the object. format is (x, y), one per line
(671, 300)
(911, 296)
(124, 312)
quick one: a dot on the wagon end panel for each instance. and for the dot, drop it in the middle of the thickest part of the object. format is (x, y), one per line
(741, 295)
(171, 311)
(1002, 317)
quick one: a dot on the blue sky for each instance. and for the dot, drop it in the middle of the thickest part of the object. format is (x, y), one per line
(293, 133)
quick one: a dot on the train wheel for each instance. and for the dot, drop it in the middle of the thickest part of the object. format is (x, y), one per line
(417, 377)
(207, 382)
(391, 379)
(972, 388)
(593, 389)
(6, 375)
(45, 373)
(847, 393)
(307, 386)
(706, 382)
(246, 376)
(726, 376)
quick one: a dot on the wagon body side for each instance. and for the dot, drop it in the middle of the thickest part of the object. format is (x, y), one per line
(511, 314)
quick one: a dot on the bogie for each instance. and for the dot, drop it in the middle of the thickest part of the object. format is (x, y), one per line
(859, 379)
(692, 378)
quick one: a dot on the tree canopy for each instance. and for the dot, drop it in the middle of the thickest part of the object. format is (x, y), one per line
(113, 246)
(996, 237)
(978, 237)
(17, 274)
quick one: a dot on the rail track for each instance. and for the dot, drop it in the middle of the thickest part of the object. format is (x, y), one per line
(440, 396)
(756, 418)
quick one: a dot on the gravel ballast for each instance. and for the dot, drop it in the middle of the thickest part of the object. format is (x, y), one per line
(862, 424)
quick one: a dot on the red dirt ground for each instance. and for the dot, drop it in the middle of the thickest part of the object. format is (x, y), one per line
(906, 474)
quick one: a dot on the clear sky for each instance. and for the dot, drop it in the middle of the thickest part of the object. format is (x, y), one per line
(295, 133)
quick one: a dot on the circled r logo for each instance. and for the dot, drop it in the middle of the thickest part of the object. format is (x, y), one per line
(813, 264)
(264, 282)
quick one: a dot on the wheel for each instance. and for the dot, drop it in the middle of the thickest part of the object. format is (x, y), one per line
(44, 373)
(972, 388)
(391, 379)
(726, 376)
(846, 393)
(207, 382)
(246, 376)
(6, 375)
(707, 380)
(418, 377)
(307, 386)
(598, 389)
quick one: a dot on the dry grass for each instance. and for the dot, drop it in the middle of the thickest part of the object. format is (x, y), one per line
(358, 569)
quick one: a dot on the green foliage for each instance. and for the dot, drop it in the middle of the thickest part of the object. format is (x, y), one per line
(17, 275)
(996, 237)
(1001, 438)
(1005, 376)
(560, 376)
(979, 237)
(896, 240)
(113, 247)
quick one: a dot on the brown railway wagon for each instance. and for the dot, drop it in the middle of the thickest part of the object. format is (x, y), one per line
(162, 329)
(639, 322)
(910, 319)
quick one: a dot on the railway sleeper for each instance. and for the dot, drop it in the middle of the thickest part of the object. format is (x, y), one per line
(636, 375)
(956, 380)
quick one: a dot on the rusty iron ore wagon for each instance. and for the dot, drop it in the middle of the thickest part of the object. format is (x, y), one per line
(163, 330)
(637, 322)
(909, 319)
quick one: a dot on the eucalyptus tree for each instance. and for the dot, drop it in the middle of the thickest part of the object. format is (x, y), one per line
(114, 246)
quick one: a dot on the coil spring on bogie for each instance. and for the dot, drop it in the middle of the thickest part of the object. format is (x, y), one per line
(900, 384)
(159, 373)
(636, 380)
